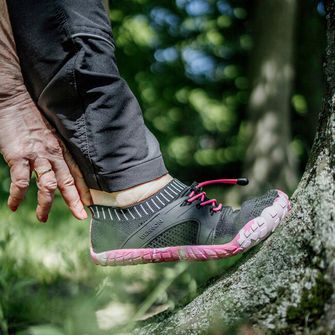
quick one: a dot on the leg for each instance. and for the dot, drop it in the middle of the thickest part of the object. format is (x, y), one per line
(66, 52)
(70, 69)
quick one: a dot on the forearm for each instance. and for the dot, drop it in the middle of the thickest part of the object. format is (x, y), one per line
(16, 105)
(11, 81)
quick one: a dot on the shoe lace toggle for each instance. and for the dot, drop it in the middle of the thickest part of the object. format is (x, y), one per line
(198, 193)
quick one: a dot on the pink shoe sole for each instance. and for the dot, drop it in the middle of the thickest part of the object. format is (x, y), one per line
(250, 235)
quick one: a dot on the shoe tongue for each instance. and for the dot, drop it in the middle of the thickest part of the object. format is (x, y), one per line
(187, 190)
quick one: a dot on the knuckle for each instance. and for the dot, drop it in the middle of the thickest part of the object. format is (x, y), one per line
(14, 199)
(50, 186)
(21, 184)
(31, 147)
(53, 147)
(68, 181)
(16, 156)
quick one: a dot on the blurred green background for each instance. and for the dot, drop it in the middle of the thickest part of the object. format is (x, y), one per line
(229, 88)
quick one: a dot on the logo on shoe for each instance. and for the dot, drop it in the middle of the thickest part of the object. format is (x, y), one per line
(151, 229)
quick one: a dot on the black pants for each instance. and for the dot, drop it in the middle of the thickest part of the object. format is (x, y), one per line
(66, 51)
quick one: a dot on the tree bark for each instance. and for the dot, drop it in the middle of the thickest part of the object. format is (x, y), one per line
(309, 55)
(269, 160)
(288, 285)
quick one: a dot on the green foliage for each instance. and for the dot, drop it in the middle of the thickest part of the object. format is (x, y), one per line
(186, 61)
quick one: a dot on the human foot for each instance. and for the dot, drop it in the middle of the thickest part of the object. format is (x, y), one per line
(131, 195)
(180, 223)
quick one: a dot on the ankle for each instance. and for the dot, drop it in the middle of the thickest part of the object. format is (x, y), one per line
(131, 195)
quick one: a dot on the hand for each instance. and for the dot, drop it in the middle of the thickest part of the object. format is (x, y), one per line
(28, 143)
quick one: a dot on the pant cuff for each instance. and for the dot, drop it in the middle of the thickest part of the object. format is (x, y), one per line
(136, 175)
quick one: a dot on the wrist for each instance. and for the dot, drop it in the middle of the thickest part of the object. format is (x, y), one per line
(13, 95)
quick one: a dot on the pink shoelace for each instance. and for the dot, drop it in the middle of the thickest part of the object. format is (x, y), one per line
(197, 192)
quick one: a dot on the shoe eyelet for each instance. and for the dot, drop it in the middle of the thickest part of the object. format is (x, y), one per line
(198, 206)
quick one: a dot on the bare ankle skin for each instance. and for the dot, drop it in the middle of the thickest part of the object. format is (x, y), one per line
(131, 195)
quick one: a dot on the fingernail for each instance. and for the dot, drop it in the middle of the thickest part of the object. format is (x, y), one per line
(44, 219)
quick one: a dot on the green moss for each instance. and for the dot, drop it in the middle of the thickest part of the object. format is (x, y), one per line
(312, 302)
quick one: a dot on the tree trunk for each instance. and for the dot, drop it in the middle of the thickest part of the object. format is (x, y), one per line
(268, 159)
(288, 286)
(308, 55)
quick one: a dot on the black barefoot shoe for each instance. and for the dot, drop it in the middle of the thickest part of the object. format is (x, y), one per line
(181, 223)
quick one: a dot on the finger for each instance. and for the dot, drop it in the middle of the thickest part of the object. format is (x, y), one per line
(67, 187)
(82, 188)
(20, 176)
(47, 185)
(79, 181)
